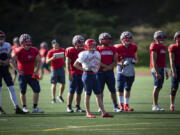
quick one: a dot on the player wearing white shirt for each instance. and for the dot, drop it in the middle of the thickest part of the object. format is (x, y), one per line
(90, 60)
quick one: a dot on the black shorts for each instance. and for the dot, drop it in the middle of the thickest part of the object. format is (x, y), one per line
(4, 73)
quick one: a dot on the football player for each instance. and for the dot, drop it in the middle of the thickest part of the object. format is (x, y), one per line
(158, 66)
(26, 56)
(108, 61)
(90, 60)
(15, 46)
(127, 58)
(75, 75)
(55, 56)
(5, 49)
(174, 56)
(43, 53)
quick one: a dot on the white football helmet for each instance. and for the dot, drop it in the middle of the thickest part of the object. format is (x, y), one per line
(25, 40)
(126, 37)
(78, 39)
(177, 36)
(159, 36)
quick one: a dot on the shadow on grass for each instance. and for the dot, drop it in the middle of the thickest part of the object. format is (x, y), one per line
(65, 114)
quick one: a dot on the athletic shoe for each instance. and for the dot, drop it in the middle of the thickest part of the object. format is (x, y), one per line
(70, 110)
(117, 109)
(89, 115)
(99, 110)
(37, 110)
(79, 110)
(107, 115)
(121, 106)
(127, 108)
(19, 111)
(157, 108)
(172, 108)
(60, 98)
(53, 101)
(25, 109)
(2, 111)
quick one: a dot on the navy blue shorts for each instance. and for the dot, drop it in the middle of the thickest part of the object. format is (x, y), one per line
(124, 82)
(159, 83)
(107, 77)
(90, 82)
(4, 73)
(58, 76)
(175, 82)
(27, 79)
(76, 85)
(44, 65)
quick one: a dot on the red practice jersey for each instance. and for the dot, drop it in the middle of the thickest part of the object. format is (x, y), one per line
(174, 48)
(160, 50)
(124, 52)
(58, 62)
(72, 53)
(26, 59)
(107, 54)
(43, 53)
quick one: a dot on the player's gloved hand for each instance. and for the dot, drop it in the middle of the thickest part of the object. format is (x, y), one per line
(133, 61)
(125, 63)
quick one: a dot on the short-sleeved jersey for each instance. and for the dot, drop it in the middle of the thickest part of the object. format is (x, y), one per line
(160, 50)
(90, 60)
(174, 48)
(124, 52)
(107, 54)
(72, 53)
(4, 52)
(26, 59)
(58, 62)
(43, 53)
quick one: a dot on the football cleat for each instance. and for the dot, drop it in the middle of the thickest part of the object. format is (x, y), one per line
(172, 108)
(127, 108)
(19, 111)
(89, 115)
(25, 109)
(121, 106)
(70, 110)
(37, 110)
(79, 110)
(157, 108)
(107, 115)
(53, 101)
(117, 109)
(60, 99)
(99, 110)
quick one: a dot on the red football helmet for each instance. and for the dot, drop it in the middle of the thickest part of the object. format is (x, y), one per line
(90, 44)
(25, 40)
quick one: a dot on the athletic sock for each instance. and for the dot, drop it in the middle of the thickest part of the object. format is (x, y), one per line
(126, 100)
(12, 95)
(121, 99)
(35, 105)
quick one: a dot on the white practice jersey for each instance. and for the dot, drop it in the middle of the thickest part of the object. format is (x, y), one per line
(90, 60)
(5, 51)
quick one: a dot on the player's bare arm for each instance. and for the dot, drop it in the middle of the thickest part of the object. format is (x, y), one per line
(68, 62)
(171, 58)
(154, 58)
(48, 60)
(39, 63)
(13, 59)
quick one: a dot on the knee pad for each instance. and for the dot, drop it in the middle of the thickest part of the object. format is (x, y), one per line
(173, 92)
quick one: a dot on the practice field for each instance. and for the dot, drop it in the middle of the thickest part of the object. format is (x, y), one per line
(55, 120)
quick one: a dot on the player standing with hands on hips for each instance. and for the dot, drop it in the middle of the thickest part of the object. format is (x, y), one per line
(158, 66)
(174, 56)
(90, 60)
(127, 58)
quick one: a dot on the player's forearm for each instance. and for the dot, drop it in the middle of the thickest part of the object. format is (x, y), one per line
(77, 65)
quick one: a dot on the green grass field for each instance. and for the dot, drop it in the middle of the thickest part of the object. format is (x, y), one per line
(55, 120)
